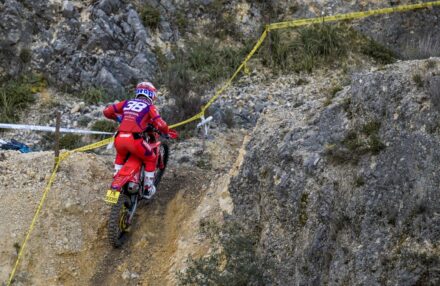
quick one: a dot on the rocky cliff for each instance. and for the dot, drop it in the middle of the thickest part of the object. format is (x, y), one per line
(338, 184)
(112, 44)
(77, 44)
(346, 192)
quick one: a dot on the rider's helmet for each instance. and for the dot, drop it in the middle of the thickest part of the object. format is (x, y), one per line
(146, 89)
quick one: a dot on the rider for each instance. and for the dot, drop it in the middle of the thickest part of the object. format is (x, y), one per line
(135, 115)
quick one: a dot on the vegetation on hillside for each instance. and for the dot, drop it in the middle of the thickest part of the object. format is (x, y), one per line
(17, 94)
(150, 16)
(104, 125)
(205, 62)
(233, 260)
(198, 67)
(319, 45)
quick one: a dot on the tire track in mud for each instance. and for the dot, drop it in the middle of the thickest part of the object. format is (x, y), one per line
(149, 248)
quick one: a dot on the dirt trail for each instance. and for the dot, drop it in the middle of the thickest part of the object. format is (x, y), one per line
(69, 244)
(152, 242)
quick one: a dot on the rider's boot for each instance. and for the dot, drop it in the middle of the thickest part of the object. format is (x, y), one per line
(117, 168)
(149, 185)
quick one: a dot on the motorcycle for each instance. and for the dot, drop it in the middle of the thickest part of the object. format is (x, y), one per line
(127, 188)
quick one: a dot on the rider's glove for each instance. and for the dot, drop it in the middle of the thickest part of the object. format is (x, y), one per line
(173, 134)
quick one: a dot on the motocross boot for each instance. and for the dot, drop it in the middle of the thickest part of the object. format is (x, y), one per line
(149, 185)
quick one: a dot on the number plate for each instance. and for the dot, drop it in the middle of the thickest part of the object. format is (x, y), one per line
(112, 197)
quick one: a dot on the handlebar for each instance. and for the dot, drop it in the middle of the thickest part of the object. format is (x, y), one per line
(151, 128)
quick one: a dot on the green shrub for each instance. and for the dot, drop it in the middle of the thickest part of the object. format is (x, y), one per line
(181, 22)
(150, 16)
(418, 80)
(319, 45)
(306, 48)
(359, 181)
(104, 126)
(425, 47)
(15, 96)
(335, 89)
(192, 71)
(331, 92)
(17, 247)
(70, 141)
(346, 106)
(210, 63)
(277, 53)
(434, 91)
(357, 143)
(430, 64)
(92, 95)
(375, 145)
(228, 118)
(179, 83)
(304, 201)
(25, 55)
(222, 23)
(233, 262)
(84, 121)
(371, 128)
(323, 40)
(378, 52)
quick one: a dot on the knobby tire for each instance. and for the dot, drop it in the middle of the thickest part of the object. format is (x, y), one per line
(116, 232)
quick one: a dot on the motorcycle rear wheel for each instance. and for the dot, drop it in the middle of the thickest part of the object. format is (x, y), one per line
(117, 224)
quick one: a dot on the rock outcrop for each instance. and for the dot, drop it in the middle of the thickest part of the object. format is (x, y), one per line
(76, 45)
(105, 43)
(346, 193)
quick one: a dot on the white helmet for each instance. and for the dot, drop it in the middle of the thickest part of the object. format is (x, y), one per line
(146, 89)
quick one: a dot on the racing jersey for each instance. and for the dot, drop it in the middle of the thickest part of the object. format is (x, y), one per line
(135, 115)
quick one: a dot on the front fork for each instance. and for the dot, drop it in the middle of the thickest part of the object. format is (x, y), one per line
(131, 213)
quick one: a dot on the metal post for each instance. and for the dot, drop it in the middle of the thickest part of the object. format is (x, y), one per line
(203, 125)
(203, 142)
(57, 137)
(203, 135)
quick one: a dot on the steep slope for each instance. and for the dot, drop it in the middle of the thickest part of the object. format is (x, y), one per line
(69, 244)
(346, 192)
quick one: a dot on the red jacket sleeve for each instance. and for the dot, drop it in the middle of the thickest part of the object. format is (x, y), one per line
(157, 121)
(113, 110)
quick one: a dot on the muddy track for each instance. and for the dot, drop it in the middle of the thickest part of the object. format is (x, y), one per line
(153, 236)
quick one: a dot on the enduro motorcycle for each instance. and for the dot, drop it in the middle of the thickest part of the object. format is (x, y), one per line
(127, 188)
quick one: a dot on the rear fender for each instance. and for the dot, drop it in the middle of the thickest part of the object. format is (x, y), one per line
(129, 173)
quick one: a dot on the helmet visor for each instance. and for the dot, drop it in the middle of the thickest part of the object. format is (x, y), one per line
(146, 92)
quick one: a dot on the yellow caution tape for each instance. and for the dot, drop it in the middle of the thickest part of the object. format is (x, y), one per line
(34, 219)
(229, 81)
(94, 145)
(195, 117)
(274, 26)
(351, 16)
